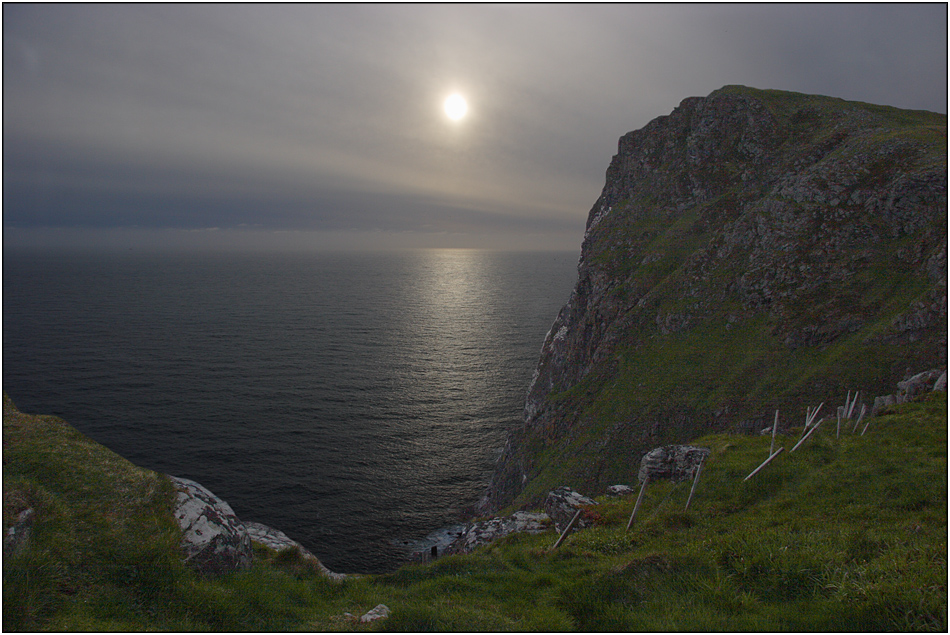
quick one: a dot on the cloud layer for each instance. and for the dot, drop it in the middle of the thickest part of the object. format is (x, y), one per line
(327, 120)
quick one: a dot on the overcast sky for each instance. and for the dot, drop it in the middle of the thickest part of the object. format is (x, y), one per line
(322, 125)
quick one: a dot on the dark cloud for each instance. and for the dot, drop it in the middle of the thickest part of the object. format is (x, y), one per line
(326, 118)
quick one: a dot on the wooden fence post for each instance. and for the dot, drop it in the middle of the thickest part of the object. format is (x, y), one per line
(854, 402)
(802, 440)
(774, 428)
(699, 469)
(570, 526)
(764, 463)
(814, 414)
(643, 488)
(866, 426)
(860, 416)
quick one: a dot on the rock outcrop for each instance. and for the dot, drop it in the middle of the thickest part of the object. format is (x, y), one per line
(563, 503)
(907, 389)
(673, 462)
(214, 540)
(751, 251)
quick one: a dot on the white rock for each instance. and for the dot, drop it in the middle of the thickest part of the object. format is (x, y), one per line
(484, 532)
(379, 612)
(214, 540)
(941, 383)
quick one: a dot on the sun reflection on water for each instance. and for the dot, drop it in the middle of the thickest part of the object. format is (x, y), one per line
(451, 321)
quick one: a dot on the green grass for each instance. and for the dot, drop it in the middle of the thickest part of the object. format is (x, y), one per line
(844, 534)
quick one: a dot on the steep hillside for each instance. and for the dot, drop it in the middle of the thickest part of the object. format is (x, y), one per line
(752, 250)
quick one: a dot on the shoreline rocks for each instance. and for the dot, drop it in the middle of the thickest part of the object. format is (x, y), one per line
(483, 532)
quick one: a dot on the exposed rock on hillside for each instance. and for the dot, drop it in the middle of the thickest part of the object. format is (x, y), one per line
(563, 503)
(214, 540)
(926, 381)
(750, 251)
(675, 462)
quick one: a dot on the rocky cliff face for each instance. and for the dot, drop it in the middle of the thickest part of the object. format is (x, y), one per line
(750, 251)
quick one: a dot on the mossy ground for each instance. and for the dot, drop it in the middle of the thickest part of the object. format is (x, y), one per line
(844, 534)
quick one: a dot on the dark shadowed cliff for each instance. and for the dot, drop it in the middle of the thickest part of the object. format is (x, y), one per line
(753, 250)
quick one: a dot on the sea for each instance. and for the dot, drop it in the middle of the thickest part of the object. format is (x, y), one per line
(356, 401)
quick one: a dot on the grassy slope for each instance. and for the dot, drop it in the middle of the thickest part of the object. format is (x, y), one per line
(844, 534)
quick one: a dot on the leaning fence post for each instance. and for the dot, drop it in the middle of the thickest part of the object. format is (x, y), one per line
(699, 468)
(643, 488)
(860, 416)
(814, 413)
(866, 426)
(811, 417)
(764, 463)
(774, 428)
(802, 440)
(854, 402)
(567, 529)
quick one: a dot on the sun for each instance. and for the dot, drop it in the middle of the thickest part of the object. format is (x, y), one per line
(455, 107)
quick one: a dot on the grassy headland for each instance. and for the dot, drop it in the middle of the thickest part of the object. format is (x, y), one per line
(843, 534)
(752, 250)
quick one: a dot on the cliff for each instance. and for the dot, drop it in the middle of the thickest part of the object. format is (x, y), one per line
(753, 250)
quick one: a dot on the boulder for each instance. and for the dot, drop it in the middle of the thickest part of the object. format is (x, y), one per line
(379, 612)
(918, 384)
(675, 462)
(214, 540)
(485, 531)
(941, 383)
(619, 490)
(562, 504)
(278, 540)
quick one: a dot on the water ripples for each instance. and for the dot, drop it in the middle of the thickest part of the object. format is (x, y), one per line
(353, 401)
